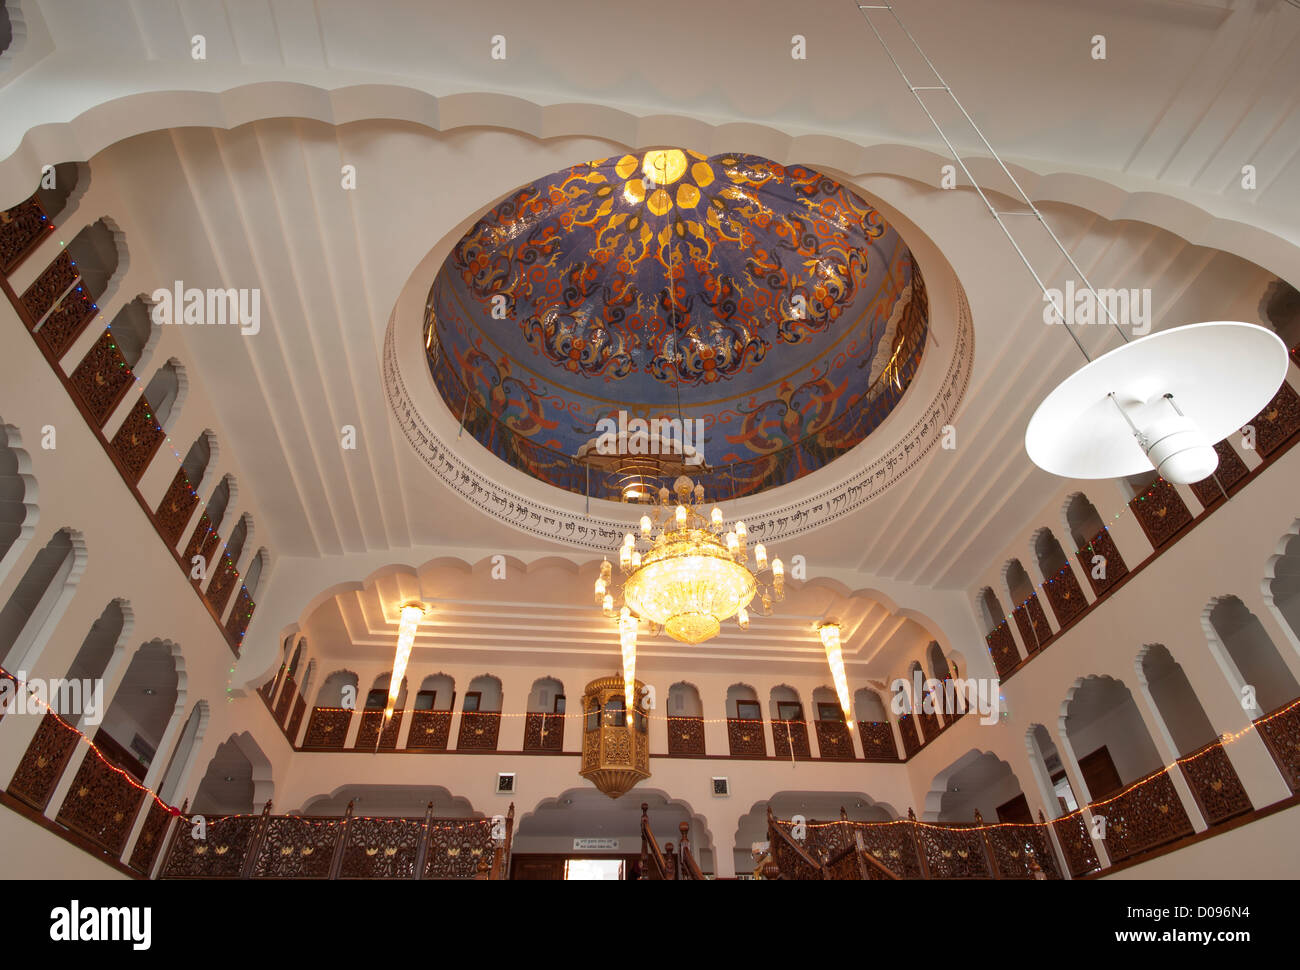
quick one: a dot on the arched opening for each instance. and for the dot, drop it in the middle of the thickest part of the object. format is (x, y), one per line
(237, 780)
(195, 463)
(1282, 588)
(163, 392)
(133, 332)
(238, 536)
(1059, 583)
(331, 715)
(544, 721)
(1174, 699)
(255, 569)
(1083, 520)
(978, 781)
(1098, 555)
(480, 719)
(745, 722)
(431, 718)
(789, 729)
(97, 253)
(543, 846)
(38, 601)
(685, 719)
(1252, 654)
(69, 181)
(1109, 739)
(1031, 620)
(142, 709)
(940, 669)
(990, 610)
(105, 643)
(184, 753)
(18, 513)
(1046, 759)
(833, 738)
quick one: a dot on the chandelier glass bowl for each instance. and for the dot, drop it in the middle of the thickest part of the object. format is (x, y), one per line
(694, 575)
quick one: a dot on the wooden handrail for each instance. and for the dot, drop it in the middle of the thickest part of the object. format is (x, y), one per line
(653, 863)
(687, 867)
(775, 833)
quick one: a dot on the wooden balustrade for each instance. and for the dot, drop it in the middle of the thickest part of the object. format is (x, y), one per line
(543, 731)
(1002, 647)
(21, 230)
(102, 804)
(137, 440)
(1076, 844)
(878, 742)
(430, 730)
(1146, 815)
(1161, 513)
(478, 730)
(907, 730)
(790, 736)
(270, 846)
(42, 766)
(223, 583)
(1214, 783)
(1113, 566)
(1278, 422)
(685, 735)
(1281, 733)
(834, 742)
(286, 698)
(102, 378)
(1231, 470)
(1032, 623)
(370, 735)
(745, 738)
(1065, 595)
(327, 728)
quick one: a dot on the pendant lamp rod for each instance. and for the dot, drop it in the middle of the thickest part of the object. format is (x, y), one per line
(1033, 209)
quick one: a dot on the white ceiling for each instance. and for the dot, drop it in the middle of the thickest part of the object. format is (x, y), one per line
(1189, 92)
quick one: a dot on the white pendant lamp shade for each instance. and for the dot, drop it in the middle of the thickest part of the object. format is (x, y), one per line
(1181, 390)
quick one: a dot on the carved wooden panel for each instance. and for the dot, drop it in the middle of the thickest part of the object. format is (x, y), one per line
(381, 848)
(953, 853)
(66, 321)
(543, 732)
(911, 743)
(1076, 845)
(1032, 621)
(208, 550)
(1016, 849)
(297, 847)
(1002, 647)
(328, 728)
(1280, 731)
(284, 702)
(1160, 512)
(102, 378)
(151, 837)
(746, 738)
(1214, 783)
(834, 741)
(787, 734)
(892, 846)
(49, 286)
(223, 583)
(1114, 567)
(878, 742)
(478, 729)
(369, 732)
(137, 440)
(685, 735)
(240, 616)
(1144, 817)
(198, 538)
(929, 724)
(21, 230)
(791, 864)
(42, 766)
(102, 804)
(1231, 470)
(458, 847)
(430, 730)
(221, 854)
(295, 722)
(1065, 595)
(174, 511)
(1279, 420)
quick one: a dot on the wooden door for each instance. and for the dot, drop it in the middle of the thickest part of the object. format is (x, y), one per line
(1016, 811)
(1099, 774)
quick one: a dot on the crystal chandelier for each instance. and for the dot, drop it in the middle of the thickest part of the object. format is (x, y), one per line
(692, 576)
(412, 613)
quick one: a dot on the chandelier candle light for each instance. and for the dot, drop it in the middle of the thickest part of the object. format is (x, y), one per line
(692, 577)
(412, 613)
(830, 634)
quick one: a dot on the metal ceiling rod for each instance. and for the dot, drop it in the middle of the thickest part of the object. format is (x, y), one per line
(916, 90)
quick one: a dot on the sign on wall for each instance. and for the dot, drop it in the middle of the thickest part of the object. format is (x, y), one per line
(587, 845)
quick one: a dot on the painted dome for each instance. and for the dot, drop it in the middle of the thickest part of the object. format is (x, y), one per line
(794, 322)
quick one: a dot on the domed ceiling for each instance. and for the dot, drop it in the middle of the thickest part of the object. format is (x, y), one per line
(796, 319)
